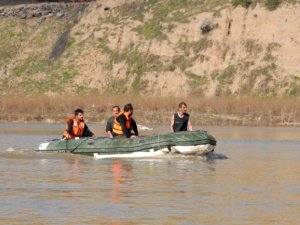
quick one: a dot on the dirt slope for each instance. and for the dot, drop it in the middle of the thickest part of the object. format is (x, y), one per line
(156, 48)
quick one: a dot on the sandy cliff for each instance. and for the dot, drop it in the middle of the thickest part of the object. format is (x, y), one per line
(154, 49)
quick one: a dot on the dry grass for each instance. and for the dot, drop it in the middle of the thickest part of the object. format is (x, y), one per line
(217, 111)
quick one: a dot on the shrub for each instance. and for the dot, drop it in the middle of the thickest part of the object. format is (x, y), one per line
(244, 3)
(272, 4)
(151, 30)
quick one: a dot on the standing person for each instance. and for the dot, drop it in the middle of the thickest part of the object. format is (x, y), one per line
(76, 126)
(124, 124)
(180, 121)
(110, 122)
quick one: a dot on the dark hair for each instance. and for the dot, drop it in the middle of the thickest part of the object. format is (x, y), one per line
(115, 106)
(182, 104)
(128, 107)
(77, 111)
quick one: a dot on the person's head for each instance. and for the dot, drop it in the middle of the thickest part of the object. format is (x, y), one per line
(115, 110)
(128, 108)
(182, 107)
(78, 114)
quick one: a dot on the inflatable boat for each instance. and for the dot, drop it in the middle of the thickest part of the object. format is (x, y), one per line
(188, 143)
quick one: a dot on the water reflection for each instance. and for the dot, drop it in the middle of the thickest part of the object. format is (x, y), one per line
(120, 173)
(74, 167)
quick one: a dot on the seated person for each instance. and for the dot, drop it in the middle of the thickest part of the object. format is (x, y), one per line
(124, 124)
(76, 126)
(181, 121)
(110, 121)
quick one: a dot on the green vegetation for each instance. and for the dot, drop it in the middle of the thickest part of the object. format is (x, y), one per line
(11, 39)
(113, 19)
(162, 13)
(244, 3)
(262, 79)
(226, 76)
(25, 47)
(254, 81)
(294, 87)
(197, 46)
(269, 52)
(31, 65)
(37, 75)
(26, 44)
(182, 62)
(201, 45)
(269, 57)
(269, 4)
(152, 29)
(116, 85)
(252, 47)
(33, 73)
(137, 66)
(138, 63)
(70, 42)
(224, 79)
(272, 4)
(273, 46)
(196, 82)
(103, 45)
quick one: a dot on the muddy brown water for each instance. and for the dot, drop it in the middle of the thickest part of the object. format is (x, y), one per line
(253, 178)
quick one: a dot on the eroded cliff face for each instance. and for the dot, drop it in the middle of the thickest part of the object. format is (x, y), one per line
(200, 48)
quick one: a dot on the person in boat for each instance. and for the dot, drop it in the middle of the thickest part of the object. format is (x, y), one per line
(124, 124)
(181, 121)
(110, 122)
(76, 127)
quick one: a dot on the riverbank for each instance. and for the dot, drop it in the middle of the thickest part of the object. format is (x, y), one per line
(217, 111)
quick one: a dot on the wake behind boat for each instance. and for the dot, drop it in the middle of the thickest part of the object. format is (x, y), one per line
(188, 143)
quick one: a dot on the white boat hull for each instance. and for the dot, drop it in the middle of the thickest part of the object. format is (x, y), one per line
(193, 150)
(184, 150)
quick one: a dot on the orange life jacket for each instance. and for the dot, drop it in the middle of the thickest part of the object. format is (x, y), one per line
(77, 129)
(117, 129)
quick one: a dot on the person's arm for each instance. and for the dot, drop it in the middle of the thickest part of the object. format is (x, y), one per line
(109, 134)
(172, 123)
(122, 121)
(190, 125)
(87, 132)
(69, 130)
(109, 128)
(134, 127)
(70, 126)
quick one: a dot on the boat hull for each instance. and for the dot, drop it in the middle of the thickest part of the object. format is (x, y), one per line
(187, 143)
(199, 150)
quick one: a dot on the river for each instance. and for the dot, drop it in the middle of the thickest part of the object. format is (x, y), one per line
(253, 178)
